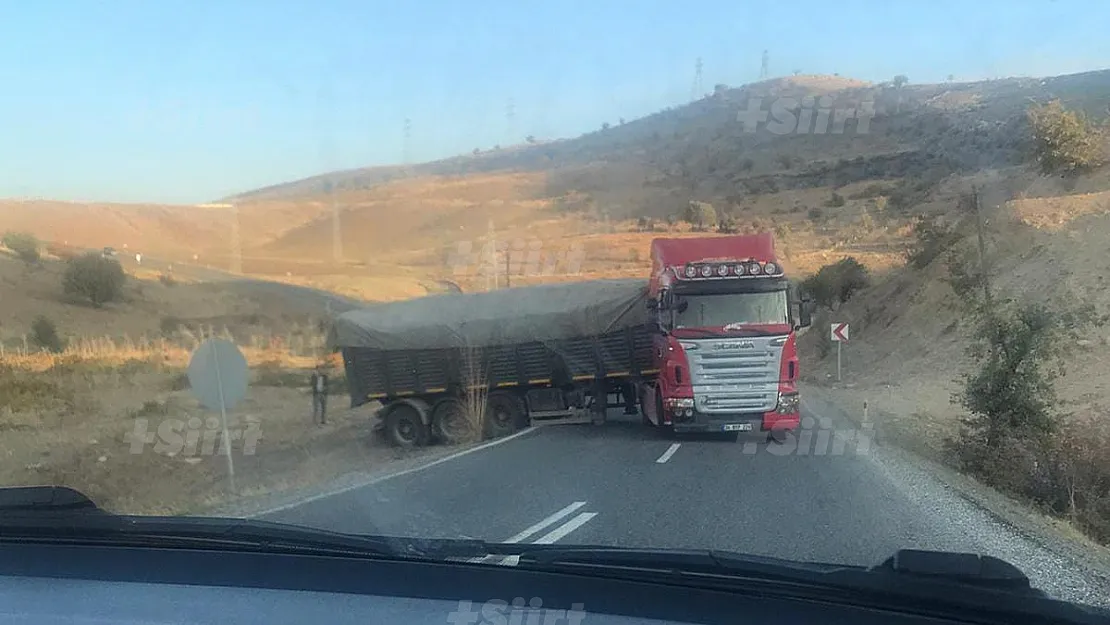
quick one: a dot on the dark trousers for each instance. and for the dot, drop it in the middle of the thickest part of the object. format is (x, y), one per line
(319, 408)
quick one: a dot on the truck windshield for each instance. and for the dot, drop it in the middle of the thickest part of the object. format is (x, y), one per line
(727, 308)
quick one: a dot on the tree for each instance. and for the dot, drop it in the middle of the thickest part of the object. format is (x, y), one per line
(931, 238)
(728, 225)
(1012, 393)
(24, 244)
(530, 139)
(605, 126)
(1066, 142)
(94, 277)
(836, 283)
(900, 81)
(701, 214)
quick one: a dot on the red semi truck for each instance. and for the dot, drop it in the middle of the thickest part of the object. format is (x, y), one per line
(707, 344)
(726, 346)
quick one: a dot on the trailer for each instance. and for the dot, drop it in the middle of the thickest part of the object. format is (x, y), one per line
(706, 344)
(558, 352)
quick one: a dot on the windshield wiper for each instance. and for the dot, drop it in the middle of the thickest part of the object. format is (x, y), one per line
(932, 582)
(57, 514)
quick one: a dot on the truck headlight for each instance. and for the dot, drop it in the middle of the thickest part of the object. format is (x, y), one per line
(679, 402)
(789, 403)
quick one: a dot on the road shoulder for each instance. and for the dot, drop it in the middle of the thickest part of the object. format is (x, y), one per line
(1051, 534)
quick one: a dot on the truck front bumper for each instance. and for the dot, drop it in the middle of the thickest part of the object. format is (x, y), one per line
(741, 422)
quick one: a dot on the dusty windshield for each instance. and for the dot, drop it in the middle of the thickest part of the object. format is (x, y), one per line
(732, 308)
(333, 264)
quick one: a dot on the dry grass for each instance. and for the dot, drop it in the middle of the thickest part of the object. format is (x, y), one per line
(69, 419)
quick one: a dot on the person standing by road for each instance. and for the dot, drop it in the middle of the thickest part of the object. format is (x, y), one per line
(319, 395)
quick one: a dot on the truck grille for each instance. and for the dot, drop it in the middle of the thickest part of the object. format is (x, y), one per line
(735, 375)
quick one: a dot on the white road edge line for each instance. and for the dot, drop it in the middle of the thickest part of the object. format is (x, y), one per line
(670, 452)
(389, 476)
(566, 528)
(546, 522)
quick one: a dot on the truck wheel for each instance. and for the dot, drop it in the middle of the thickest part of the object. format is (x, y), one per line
(404, 427)
(449, 421)
(504, 412)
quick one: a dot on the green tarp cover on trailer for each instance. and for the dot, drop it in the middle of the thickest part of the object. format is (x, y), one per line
(516, 315)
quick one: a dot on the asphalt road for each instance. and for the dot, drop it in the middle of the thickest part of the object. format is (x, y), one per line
(831, 496)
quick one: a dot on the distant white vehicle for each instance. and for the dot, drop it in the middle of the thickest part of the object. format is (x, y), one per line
(139, 259)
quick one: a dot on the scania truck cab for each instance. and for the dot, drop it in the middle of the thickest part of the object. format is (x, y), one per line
(727, 318)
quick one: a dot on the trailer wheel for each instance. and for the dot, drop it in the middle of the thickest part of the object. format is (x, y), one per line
(449, 421)
(504, 413)
(404, 427)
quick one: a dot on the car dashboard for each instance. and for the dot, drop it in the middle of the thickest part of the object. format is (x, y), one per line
(43, 582)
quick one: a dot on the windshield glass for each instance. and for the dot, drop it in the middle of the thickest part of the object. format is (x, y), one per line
(724, 309)
(333, 263)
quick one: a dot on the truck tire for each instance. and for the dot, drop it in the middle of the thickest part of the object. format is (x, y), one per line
(449, 421)
(504, 413)
(405, 428)
(666, 431)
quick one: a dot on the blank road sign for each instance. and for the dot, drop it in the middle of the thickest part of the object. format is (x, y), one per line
(218, 374)
(840, 332)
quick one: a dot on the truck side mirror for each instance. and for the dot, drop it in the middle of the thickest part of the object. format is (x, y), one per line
(805, 313)
(666, 299)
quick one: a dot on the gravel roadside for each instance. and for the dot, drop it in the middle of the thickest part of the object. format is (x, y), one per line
(1061, 563)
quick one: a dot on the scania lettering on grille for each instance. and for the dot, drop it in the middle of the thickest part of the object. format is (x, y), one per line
(736, 345)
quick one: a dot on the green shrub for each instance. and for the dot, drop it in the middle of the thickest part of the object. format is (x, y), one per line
(94, 277)
(836, 283)
(25, 245)
(1065, 142)
(701, 214)
(44, 334)
(931, 238)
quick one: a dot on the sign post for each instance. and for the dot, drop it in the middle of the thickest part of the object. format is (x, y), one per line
(839, 332)
(218, 377)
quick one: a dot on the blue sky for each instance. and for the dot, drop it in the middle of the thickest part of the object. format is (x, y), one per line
(170, 101)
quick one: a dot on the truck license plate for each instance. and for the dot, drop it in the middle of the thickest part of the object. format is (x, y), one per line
(737, 427)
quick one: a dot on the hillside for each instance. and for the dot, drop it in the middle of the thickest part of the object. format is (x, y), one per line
(823, 194)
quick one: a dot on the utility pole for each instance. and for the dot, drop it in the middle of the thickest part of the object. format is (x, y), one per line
(491, 262)
(236, 244)
(696, 90)
(984, 276)
(510, 117)
(336, 230)
(406, 154)
(764, 67)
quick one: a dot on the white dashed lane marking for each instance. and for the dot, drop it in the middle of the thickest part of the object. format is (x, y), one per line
(667, 454)
(554, 535)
